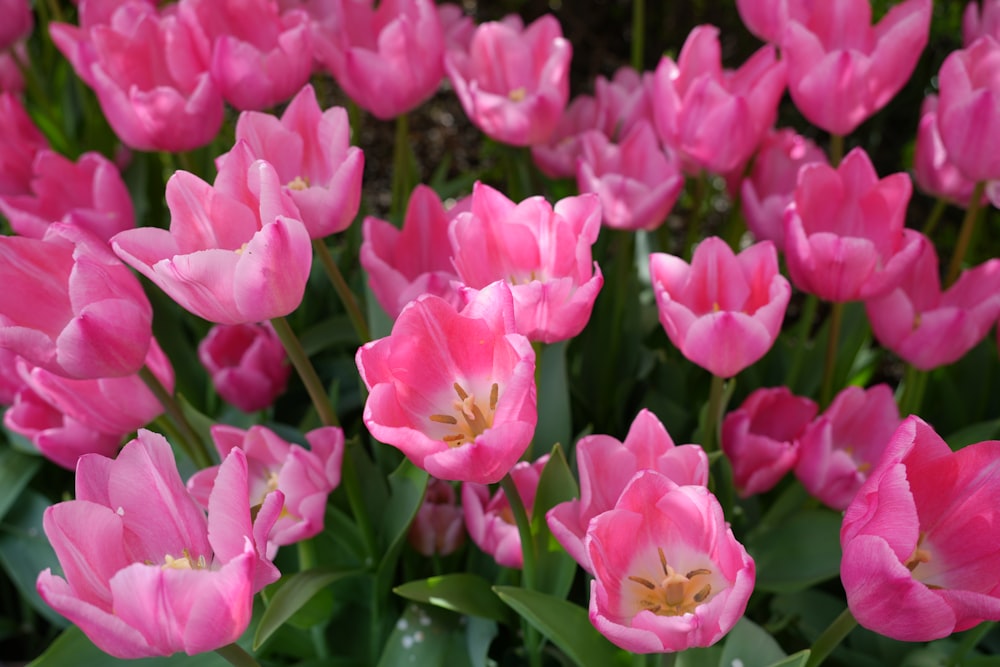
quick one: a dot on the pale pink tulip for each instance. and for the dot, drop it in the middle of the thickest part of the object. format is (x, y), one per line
(310, 150)
(844, 231)
(637, 181)
(543, 252)
(928, 327)
(247, 364)
(305, 477)
(439, 526)
(236, 251)
(606, 466)
(933, 169)
(260, 55)
(723, 311)
(768, 188)
(489, 519)
(404, 263)
(17, 22)
(980, 19)
(146, 572)
(513, 81)
(149, 69)
(761, 437)
(969, 109)
(839, 448)
(842, 69)
(88, 193)
(920, 557)
(668, 573)
(20, 141)
(389, 59)
(767, 19)
(454, 391)
(68, 305)
(714, 118)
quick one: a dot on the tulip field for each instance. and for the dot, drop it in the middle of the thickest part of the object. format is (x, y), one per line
(499, 333)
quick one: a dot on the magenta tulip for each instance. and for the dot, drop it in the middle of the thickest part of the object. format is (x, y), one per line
(934, 171)
(969, 109)
(921, 559)
(439, 526)
(20, 141)
(606, 466)
(668, 573)
(723, 311)
(980, 19)
(247, 364)
(767, 19)
(17, 22)
(454, 391)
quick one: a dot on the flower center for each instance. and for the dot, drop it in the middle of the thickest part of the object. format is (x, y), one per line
(298, 183)
(185, 562)
(676, 593)
(470, 418)
(920, 556)
(518, 94)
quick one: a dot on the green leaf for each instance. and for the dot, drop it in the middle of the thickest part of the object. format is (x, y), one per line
(16, 470)
(750, 645)
(565, 624)
(462, 592)
(554, 568)
(795, 660)
(25, 551)
(294, 592)
(553, 399)
(73, 649)
(973, 433)
(426, 636)
(407, 485)
(801, 551)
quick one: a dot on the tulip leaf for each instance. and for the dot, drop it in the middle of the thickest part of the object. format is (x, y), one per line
(72, 648)
(749, 645)
(25, 551)
(554, 568)
(973, 433)
(16, 470)
(553, 399)
(294, 592)
(565, 624)
(801, 551)
(463, 593)
(407, 485)
(795, 660)
(427, 636)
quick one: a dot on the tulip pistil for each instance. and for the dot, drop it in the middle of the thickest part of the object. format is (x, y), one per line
(185, 562)
(298, 183)
(470, 418)
(676, 593)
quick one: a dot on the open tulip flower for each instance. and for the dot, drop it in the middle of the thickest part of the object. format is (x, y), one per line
(668, 573)
(454, 391)
(146, 572)
(723, 311)
(921, 558)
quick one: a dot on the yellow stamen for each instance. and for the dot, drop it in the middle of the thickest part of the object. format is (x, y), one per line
(675, 594)
(298, 183)
(470, 418)
(184, 562)
(518, 94)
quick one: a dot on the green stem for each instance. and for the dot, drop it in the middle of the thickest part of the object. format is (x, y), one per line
(836, 149)
(969, 641)
(940, 205)
(914, 385)
(713, 415)
(638, 34)
(188, 439)
(401, 178)
(965, 235)
(236, 656)
(532, 638)
(343, 290)
(306, 371)
(805, 325)
(694, 222)
(830, 364)
(831, 637)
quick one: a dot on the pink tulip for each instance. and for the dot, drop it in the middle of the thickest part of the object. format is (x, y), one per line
(389, 59)
(714, 118)
(236, 251)
(456, 26)
(489, 519)
(247, 364)
(543, 252)
(606, 466)
(761, 437)
(920, 558)
(260, 55)
(557, 156)
(841, 446)
(88, 193)
(513, 81)
(980, 20)
(404, 263)
(115, 406)
(20, 141)
(60, 438)
(928, 328)
(841, 69)
(769, 187)
(10, 382)
(439, 526)
(969, 109)
(11, 77)
(310, 150)
(723, 311)
(637, 181)
(305, 477)
(767, 19)
(149, 69)
(933, 169)
(17, 22)
(454, 391)
(146, 573)
(68, 305)
(668, 573)
(844, 232)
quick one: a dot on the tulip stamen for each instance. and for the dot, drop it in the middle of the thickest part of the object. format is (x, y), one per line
(675, 594)
(298, 183)
(471, 418)
(185, 562)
